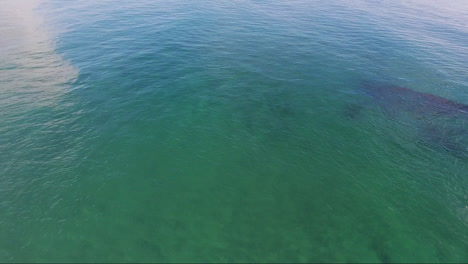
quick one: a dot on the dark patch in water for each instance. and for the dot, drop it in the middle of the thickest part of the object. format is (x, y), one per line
(352, 111)
(447, 138)
(429, 112)
(150, 246)
(424, 105)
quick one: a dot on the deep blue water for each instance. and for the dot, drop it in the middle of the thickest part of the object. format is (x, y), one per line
(233, 131)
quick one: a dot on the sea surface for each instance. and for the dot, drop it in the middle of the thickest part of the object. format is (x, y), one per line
(231, 131)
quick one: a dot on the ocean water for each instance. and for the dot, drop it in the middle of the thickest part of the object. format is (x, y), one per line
(231, 131)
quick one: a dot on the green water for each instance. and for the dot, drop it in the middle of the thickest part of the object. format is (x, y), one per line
(217, 132)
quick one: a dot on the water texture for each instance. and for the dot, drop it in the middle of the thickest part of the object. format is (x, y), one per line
(233, 131)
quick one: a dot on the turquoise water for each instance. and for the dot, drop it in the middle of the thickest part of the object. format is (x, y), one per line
(229, 131)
